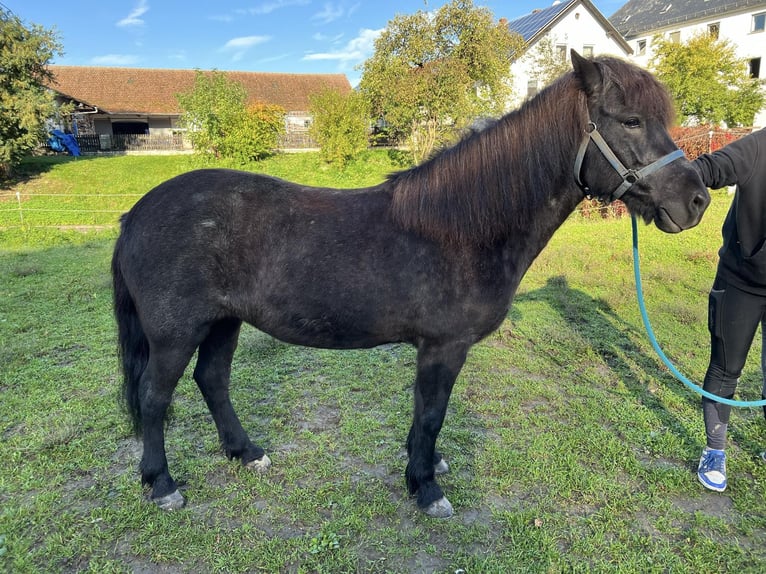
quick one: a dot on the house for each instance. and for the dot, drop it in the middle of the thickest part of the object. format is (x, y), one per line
(116, 101)
(556, 29)
(742, 22)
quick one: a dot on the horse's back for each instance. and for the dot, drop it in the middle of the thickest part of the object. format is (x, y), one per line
(213, 243)
(196, 196)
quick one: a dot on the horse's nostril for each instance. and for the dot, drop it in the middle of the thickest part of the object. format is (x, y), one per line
(701, 201)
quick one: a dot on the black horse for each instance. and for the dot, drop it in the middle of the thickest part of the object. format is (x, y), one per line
(432, 256)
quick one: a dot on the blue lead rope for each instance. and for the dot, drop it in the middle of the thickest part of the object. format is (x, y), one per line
(696, 388)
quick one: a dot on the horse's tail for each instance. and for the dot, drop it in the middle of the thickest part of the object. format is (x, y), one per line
(133, 346)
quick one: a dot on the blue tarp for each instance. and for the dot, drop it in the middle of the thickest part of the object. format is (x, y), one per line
(59, 141)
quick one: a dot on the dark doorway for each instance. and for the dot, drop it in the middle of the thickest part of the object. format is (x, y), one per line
(125, 128)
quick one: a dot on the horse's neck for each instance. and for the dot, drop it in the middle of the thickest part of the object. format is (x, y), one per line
(545, 176)
(545, 165)
(525, 244)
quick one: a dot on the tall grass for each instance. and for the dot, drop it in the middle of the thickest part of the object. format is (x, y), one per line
(571, 447)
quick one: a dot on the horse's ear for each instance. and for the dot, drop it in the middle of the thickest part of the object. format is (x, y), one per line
(587, 72)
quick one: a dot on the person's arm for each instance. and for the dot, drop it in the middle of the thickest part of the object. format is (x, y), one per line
(731, 164)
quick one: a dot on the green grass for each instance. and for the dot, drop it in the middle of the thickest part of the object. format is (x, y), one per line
(65, 199)
(571, 447)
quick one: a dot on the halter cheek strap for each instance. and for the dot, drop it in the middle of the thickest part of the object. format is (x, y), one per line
(629, 176)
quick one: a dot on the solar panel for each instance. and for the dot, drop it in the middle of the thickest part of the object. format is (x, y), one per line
(531, 24)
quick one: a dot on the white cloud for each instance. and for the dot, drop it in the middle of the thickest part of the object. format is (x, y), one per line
(330, 12)
(245, 42)
(269, 7)
(114, 60)
(272, 59)
(356, 50)
(134, 18)
(240, 46)
(179, 55)
(319, 37)
(221, 18)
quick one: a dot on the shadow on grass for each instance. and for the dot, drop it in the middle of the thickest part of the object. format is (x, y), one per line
(614, 341)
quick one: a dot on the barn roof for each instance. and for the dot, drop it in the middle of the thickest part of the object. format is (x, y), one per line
(153, 91)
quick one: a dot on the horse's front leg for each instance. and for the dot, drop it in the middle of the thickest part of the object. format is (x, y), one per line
(438, 367)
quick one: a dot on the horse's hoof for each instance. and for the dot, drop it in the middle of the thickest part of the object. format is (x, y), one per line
(439, 508)
(172, 501)
(441, 467)
(260, 464)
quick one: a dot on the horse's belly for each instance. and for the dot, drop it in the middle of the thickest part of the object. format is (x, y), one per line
(324, 332)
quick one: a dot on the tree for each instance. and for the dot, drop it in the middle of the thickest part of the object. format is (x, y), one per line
(25, 104)
(707, 81)
(340, 125)
(433, 73)
(545, 63)
(221, 124)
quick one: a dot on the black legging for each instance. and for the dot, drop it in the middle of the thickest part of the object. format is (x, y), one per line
(733, 318)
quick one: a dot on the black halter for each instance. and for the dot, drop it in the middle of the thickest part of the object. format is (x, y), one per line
(629, 176)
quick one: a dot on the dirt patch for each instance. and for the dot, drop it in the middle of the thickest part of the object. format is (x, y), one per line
(716, 505)
(67, 355)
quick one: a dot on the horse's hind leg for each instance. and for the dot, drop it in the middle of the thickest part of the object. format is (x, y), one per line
(157, 384)
(212, 374)
(438, 367)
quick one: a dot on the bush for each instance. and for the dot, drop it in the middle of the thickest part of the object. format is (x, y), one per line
(220, 123)
(340, 125)
(254, 133)
(697, 140)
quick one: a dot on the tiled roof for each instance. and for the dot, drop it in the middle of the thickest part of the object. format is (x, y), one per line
(638, 16)
(152, 91)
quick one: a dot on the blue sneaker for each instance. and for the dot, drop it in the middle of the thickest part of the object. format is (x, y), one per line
(712, 469)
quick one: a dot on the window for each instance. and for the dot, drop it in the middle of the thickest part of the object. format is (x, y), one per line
(714, 29)
(587, 51)
(675, 37)
(755, 68)
(641, 48)
(561, 52)
(759, 22)
(532, 88)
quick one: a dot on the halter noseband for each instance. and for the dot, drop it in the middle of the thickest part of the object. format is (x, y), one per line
(629, 176)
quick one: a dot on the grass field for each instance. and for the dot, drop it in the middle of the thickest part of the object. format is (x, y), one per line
(572, 449)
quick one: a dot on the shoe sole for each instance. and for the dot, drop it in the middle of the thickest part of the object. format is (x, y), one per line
(710, 486)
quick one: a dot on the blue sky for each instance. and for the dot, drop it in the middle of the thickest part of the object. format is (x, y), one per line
(296, 36)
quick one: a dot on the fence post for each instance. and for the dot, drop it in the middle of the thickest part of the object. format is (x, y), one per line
(21, 213)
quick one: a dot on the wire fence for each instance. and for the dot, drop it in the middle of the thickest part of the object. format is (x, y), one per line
(21, 209)
(95, 144)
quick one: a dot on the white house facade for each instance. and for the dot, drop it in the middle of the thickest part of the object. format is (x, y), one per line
(741, 22)
(565, 25)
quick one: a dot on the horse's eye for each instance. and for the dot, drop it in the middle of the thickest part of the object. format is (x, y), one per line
(632, 123)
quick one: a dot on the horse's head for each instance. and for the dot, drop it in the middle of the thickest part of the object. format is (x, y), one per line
(627, 152)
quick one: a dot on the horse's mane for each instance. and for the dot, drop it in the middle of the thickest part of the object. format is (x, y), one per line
(497, 179)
